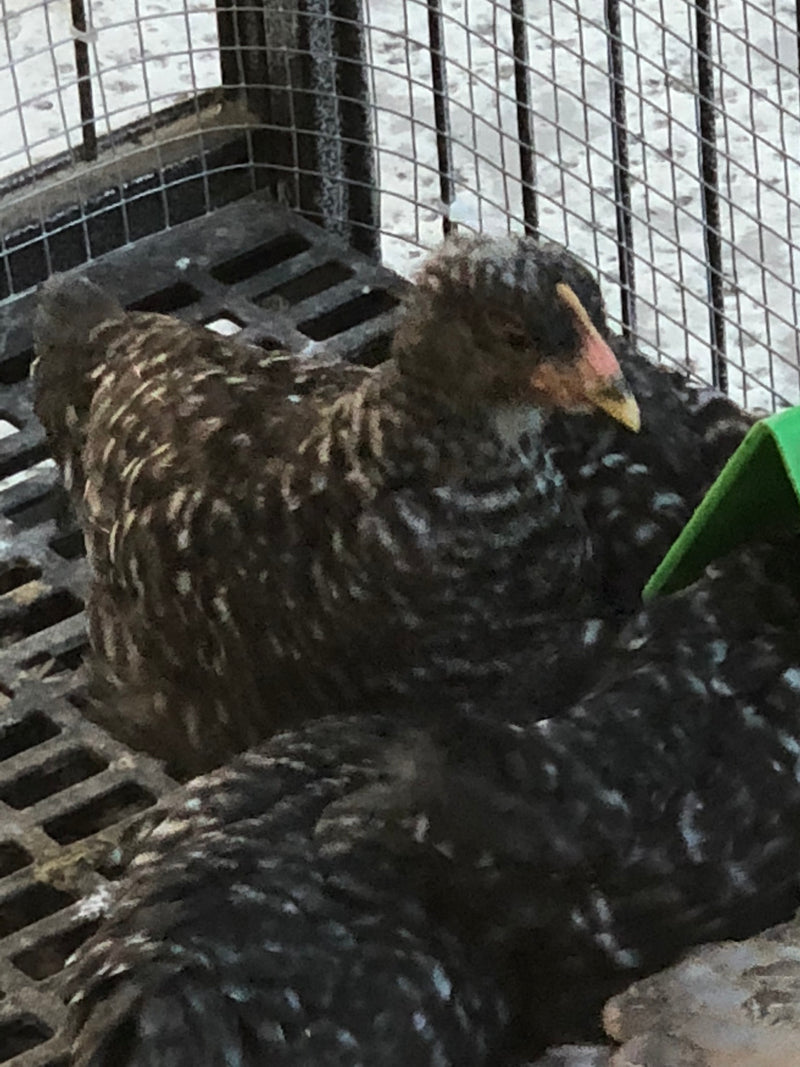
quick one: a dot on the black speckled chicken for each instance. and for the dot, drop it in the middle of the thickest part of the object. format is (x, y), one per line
(659, 811)
(246, 935)
(275, 534)
(638, 491)
(507, 874)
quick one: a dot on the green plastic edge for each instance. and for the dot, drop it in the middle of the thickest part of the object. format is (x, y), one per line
(757, 492)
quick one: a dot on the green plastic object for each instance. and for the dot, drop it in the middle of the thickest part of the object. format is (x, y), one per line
(756, 494)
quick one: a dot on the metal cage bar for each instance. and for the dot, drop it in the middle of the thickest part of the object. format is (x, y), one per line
(441, 112)
(527, 167)
(706, 122)
(622, 182)
(85, 98)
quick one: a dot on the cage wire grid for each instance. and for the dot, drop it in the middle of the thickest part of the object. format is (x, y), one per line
(250, 166)
(658, 141)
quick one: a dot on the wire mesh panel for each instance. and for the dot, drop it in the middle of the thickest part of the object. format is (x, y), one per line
(126, 60)
(659, 141)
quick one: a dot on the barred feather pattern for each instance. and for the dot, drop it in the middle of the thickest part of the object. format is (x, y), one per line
(269, 533)
(659, 811)
(637, 492)
(505, 874)
(242, 936)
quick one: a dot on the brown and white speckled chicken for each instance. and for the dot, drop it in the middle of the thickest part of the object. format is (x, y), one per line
(459, 891)
(269, 534)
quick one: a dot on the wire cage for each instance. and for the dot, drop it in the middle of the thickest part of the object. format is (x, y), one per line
(657, 140)
(278, 167)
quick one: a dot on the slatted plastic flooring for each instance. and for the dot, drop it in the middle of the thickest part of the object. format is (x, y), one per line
(68, 791)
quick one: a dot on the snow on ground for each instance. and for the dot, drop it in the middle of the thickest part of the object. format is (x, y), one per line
(758, 133)
(147, 53)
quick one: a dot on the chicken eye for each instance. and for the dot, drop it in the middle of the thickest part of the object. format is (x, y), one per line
(516, 337)
(514, 334)
(508, 329)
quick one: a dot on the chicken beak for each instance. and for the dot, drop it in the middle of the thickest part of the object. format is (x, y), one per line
(616, 399)
(602, 382)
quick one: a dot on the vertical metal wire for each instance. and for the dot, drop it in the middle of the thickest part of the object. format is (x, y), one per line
(527, 168)
(89, 147)
(622, 177)
(441, 112)
(356, 128)
(787, 185)
(711, 214)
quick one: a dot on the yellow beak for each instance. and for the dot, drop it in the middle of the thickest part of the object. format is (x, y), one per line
(618, 401)
(603, 384)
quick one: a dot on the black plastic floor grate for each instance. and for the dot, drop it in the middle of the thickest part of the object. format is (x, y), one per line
(68, 791)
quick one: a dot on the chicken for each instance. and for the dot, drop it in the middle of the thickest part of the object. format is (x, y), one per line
(661, 810)
(245, 936)
(270, 534)
(534, 867)
(638, 491)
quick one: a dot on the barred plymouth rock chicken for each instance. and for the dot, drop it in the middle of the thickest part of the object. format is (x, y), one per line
(272, 534)
(638, 491)
(466, 890)
(661, 810)
(244, 936)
